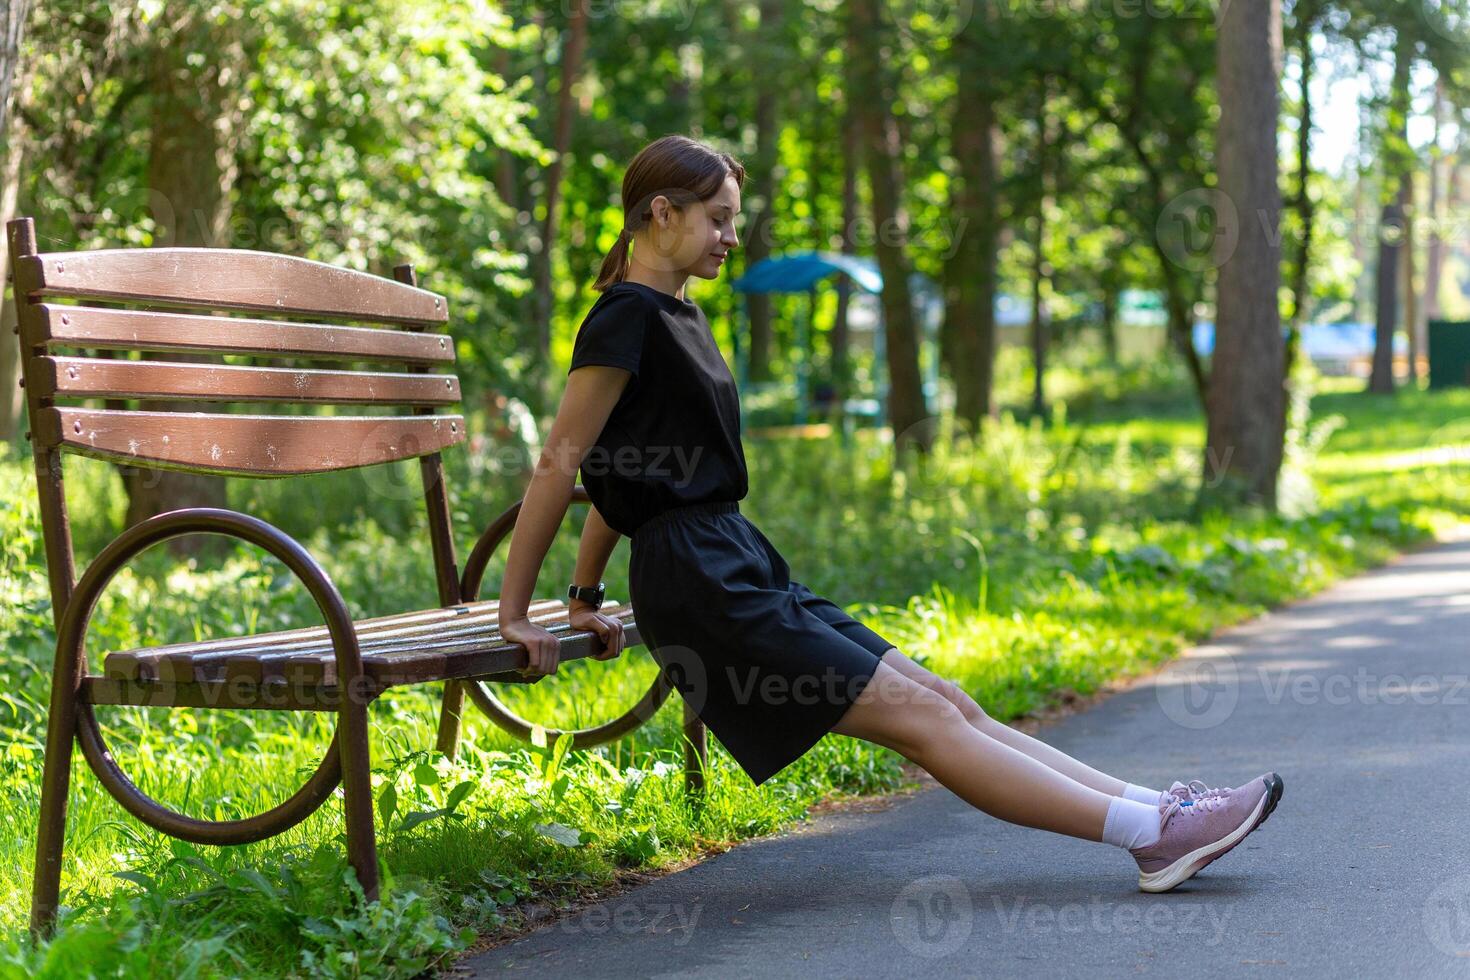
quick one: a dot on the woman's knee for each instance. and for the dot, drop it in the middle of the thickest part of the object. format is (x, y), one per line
(943, 686)
(896, 711)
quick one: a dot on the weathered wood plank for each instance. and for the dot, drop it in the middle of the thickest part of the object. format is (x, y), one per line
(109, 329)
(246, 445)
(85, 377)
(227, 279)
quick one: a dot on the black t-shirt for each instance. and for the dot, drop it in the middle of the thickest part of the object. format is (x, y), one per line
(673, 437)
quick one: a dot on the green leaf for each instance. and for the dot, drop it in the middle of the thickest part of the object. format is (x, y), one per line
(388, 803)
(562, 834)
(425, 774)
(457, 795)
(138, 878)
(419, 817)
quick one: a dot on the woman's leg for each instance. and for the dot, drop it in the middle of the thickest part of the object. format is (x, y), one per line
(976, 716)
(928, 729)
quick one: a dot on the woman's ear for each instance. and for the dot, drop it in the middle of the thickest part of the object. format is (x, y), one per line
(661, 206)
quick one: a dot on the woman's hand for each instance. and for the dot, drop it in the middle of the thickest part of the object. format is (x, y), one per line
(607, 627)
(543, 649)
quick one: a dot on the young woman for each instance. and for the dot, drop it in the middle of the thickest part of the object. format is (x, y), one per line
(651, 418)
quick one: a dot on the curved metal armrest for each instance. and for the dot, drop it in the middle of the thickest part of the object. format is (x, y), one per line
(71, 663)
(499, 529)
(71, 635)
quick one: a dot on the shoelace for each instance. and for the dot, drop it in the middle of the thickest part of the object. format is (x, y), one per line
(1200, 790)
(1188, 807)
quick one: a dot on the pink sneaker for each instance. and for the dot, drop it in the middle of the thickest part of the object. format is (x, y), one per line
(1196, 832)
(1196, 789)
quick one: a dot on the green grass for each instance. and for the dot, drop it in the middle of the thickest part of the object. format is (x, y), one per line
(1051, 559)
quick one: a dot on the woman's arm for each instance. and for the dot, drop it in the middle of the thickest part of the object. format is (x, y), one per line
(598, 542)
(590, 395)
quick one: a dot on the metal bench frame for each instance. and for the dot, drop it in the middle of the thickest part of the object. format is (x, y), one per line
(338, 674)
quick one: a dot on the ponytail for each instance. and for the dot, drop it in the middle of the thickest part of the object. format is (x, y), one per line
(615, 263)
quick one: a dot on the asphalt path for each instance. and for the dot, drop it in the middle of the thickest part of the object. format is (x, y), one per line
(1358, 697)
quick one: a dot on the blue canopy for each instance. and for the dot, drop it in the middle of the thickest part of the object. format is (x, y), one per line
(799, 271)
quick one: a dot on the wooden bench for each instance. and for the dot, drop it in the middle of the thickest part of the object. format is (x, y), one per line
(83, 316)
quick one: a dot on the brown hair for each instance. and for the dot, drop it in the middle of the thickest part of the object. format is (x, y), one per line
(679, 168)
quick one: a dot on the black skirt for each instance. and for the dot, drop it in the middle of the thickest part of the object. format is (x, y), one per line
(769, 666)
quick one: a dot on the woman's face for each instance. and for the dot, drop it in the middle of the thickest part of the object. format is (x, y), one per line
(696, 238)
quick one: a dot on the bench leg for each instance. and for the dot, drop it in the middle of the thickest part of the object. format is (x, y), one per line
(696, 751)
(450, 713)
(55, 787)
(357, 789)
(449, 717)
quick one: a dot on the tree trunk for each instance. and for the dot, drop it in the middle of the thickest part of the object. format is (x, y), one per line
(906, 409)
(574, 42)
(767, 146)
(12, 405)
(1244, 440)
(1040, 312)
(1411, 296)
(851, 161)
(1390, 237)
(1302, 202)
(13, 81)
(1110, 298)
(1434, 259)
(971, 271)
(12, 22)
(191, 171)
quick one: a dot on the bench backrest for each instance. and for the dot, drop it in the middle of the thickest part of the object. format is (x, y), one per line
(188, 308)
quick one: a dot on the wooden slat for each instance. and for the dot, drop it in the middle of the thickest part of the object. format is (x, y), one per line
(433, 647)
(418, 661)
(82, 377)
(246, 445)
(108, 329)
(228, 279)
(209, 655)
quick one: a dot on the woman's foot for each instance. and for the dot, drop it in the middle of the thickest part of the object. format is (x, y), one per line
(1195, 832)
(1195, 790)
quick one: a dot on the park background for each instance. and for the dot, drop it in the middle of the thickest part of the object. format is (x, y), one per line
(1045, 188)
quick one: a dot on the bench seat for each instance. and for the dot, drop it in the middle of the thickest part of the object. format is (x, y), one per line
(429, 645)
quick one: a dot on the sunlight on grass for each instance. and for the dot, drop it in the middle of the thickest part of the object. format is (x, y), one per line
(1052, 558)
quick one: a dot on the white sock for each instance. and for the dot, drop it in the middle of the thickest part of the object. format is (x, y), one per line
(1131, 824)
(1142, 794)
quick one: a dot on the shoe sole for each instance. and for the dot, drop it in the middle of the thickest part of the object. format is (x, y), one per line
(1185, 867)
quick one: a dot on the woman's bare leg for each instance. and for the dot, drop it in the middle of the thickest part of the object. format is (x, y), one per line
(1001, 732)
(928, 729)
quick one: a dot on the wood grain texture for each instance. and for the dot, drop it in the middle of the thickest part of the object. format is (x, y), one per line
(83, 377)
(454, 642)
(246, 445)
(228, 279)
(111, 329)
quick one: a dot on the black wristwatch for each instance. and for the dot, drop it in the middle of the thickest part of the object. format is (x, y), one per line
(588, 594)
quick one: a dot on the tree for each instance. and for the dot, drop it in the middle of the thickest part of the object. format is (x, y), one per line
(197, 110)
(761, 179)
(1397, 192)
(12, 22)
(971, 273)
(872, 100)
(573, 43)
(1244, 441)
